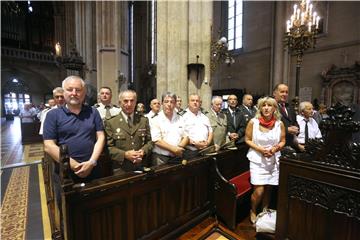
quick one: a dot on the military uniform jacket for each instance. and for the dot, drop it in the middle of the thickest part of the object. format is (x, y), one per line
(121, 138)
(248, 113)
(219, 126)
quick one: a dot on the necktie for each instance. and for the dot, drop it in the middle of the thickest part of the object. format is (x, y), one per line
(283, 108)
(107, 114)
(130, 123)
(306, 131)
(234, 118)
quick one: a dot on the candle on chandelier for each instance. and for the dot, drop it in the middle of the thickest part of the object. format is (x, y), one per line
(57, 49)
(309, 25)
(302, 18)
(314, 18)
(317, 21)
(298, 14)
(295, 7)
(307, 5)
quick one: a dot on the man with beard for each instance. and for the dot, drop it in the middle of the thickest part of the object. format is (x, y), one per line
(79, 127)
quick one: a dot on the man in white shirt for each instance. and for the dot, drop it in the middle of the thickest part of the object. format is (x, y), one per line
(58, 94)
(308, 127)
(105, 107)
(155, 109)
(168, 133)
(197, 127)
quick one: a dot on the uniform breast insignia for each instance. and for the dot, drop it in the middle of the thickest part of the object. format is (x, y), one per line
(96, 105)
(118, 130)
(155, 115)
(180, 113)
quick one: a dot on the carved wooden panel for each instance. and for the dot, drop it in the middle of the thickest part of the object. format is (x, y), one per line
(341, 84)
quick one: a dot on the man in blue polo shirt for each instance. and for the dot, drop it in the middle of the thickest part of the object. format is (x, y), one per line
(79, 127)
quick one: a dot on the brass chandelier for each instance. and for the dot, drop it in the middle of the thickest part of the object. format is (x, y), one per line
(301, 31)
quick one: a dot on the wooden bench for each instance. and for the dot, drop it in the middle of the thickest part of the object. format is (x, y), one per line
(30, 132)
(232, 185)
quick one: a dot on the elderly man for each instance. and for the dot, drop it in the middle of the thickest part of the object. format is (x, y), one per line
(308, 126)
(79, 127)
(104, 106)
(27, 114)
(218, 121)
(155, 109)
(128, 135)
(247, 109)
(288, 115)
(58, 94)
(197, 127)
(168, 133)
(236, 122)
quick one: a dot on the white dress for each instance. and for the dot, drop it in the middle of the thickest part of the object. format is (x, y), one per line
(264, 170)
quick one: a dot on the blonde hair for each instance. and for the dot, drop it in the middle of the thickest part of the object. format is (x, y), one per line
(272, 102)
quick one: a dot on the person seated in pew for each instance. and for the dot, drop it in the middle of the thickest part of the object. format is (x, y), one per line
(265, 135)
(218, 121)
(79, 127)
(308, 127)
(197, 128)
(168, 133)
(128, 135)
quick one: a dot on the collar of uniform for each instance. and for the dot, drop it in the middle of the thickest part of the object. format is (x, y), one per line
(126, 116)
(196, 114)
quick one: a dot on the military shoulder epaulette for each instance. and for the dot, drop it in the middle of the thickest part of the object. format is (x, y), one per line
(115, 106)
(96, 105)
(156, 114)
(181, 112)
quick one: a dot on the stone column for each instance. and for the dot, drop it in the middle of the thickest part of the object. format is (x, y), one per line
(108, 49)
(85, 38)
(183, 32)
(278, 54)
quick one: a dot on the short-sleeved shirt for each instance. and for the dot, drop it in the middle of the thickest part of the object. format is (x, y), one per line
(78, 132)
(170, 131)
(197, 126)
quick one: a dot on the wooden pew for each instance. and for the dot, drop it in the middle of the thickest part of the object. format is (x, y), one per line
(160, 204)
(30, 132)
(232, 184)
(319, 190)
(48, 166)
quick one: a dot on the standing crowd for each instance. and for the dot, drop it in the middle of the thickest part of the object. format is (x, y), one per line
(169, 133)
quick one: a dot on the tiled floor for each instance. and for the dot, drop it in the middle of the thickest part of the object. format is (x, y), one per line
(13, 153)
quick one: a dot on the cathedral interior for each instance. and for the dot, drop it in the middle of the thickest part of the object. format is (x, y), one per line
(204, 47)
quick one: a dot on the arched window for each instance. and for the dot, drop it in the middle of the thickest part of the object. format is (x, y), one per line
(235, 24)
(15, 95)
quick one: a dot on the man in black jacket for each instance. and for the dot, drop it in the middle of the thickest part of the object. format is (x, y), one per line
(236, 122)
(281, 93)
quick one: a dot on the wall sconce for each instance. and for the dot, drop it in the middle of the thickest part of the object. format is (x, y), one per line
(220, 54)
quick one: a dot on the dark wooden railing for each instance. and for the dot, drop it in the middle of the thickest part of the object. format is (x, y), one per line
(160, 204)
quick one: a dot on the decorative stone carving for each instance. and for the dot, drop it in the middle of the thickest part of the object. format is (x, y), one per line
(328, 196)
(342, 84)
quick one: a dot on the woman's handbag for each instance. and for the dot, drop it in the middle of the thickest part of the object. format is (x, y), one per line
(266, 221)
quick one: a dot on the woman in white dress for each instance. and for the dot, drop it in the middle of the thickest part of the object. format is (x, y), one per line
(265, 135)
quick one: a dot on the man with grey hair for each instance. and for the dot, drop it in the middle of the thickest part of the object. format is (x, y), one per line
(155, 106)
(58, 94)
(168, 133)
(79, 127)
(197, 127)
(128, 135)
(218, 121)
(308, 127)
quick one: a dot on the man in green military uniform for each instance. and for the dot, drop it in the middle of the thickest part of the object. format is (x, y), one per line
(128, 135)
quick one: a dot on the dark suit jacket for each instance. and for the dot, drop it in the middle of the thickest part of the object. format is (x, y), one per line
(248, 114)
(238, 127)
(121, 138)
(289, 120)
